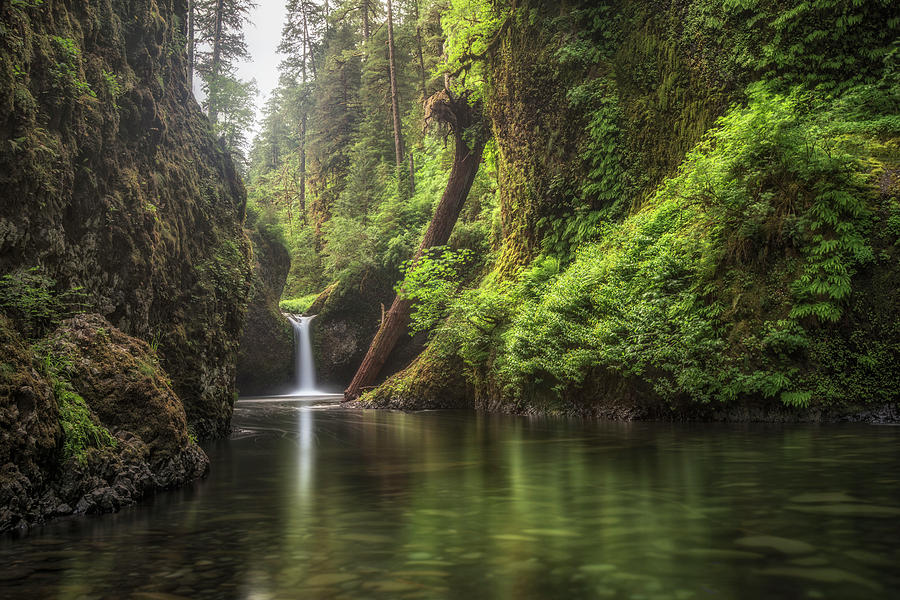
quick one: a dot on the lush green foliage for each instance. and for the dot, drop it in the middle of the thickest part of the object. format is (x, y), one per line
(818, 43)
(67, 75)
(687, 198)
(35, 301)
(235, 111)
(712, 290)
(322, 170)
(218, 44)
(472, 29)
(431, 282)
(80, 428)
(297, 305)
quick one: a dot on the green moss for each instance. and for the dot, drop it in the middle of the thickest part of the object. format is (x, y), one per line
(298, 305)
(79, 426)
(81, 429)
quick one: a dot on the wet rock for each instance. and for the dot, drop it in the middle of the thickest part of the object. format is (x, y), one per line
(123, 383)
(144, 207)
(30, 433)
(126, 392)
(265, 359)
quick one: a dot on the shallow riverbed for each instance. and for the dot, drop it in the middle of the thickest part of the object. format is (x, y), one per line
(307, 500)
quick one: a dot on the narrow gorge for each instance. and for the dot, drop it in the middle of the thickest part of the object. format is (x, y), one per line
(449, 298)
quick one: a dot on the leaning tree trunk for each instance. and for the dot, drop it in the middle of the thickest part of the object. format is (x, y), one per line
(462, 119)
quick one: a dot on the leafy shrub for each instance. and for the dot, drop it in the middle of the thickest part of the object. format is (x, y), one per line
(297, 305)
(66, 73)
(650, 299)
(431, 282)
(33, 300)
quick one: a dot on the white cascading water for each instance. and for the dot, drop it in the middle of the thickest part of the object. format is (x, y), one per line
(304, 369)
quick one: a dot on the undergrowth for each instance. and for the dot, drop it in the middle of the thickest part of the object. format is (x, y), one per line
(721, 285)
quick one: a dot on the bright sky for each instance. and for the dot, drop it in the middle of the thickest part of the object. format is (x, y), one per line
(263, 35)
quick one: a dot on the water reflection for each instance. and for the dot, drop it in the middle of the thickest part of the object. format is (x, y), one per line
(324, 503)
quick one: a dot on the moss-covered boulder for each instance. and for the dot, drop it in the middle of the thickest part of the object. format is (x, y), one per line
(125, 387)
(433, 380)
(90, 423)
(265, 359)
(349, 313)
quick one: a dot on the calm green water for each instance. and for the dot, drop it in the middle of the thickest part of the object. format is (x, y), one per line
(307, 502)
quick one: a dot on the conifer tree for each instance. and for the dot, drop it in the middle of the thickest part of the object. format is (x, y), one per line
(219, 42)
(395, 97)
(300, 36)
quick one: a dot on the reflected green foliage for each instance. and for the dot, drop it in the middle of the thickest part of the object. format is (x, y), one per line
(470, 505)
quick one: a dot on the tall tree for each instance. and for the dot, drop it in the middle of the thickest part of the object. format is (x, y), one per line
(191, 26)
(220, 42)
(419, 54)
(236, 100)
(395, 94)
(470, 134)
(301, 32)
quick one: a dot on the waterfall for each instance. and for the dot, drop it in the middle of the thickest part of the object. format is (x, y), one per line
(304, 370)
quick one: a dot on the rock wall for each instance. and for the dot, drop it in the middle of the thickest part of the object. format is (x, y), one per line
(113, 184)
(265, 359)
(349, 313)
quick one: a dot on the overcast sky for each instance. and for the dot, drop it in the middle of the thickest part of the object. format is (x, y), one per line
(263, 35)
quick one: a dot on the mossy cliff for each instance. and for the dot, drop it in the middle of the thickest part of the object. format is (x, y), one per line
(265, 359)
(114, 185)
(699, 207)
